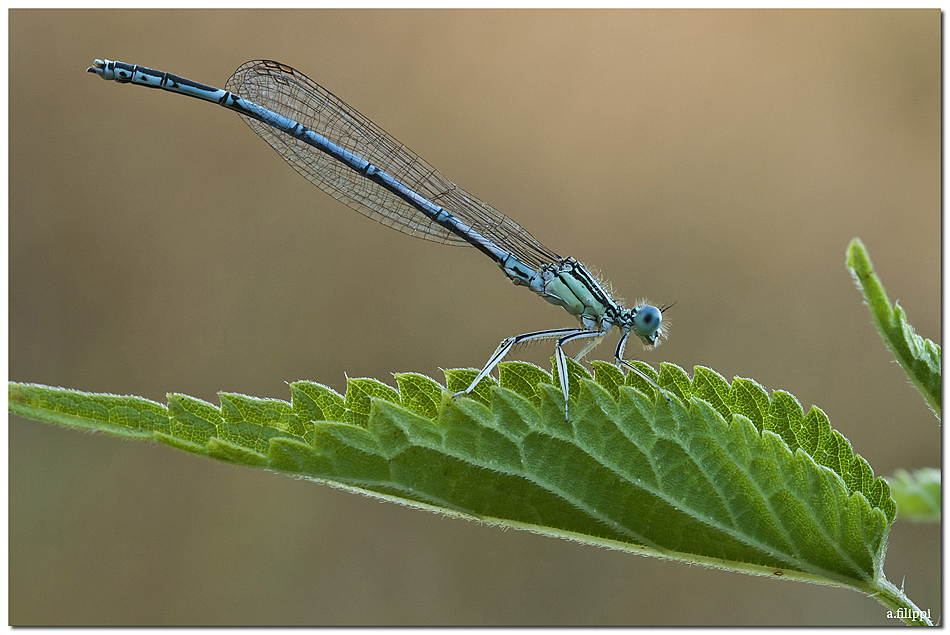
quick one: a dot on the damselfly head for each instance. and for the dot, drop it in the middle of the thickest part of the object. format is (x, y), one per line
(647, 323)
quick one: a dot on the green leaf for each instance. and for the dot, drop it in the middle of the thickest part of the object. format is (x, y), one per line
(917, 494)
(722, 475)
(919, 357)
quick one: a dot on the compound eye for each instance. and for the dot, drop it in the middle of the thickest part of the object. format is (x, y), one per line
(646, 323)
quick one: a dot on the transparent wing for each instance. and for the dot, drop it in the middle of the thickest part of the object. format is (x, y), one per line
(290, 93)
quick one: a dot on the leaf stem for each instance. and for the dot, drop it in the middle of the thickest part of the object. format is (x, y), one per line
(899, 605)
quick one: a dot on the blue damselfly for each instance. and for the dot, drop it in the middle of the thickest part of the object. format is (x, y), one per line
(348, 156)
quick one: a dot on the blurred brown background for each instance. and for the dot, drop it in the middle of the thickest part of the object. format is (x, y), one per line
(719, 159)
